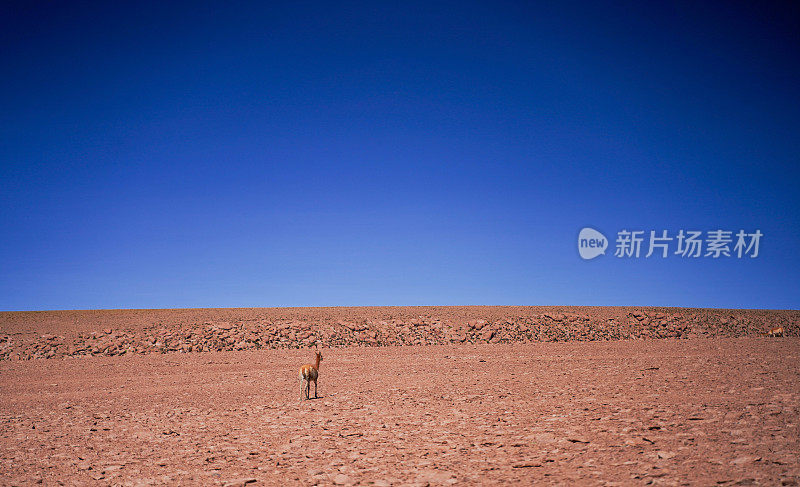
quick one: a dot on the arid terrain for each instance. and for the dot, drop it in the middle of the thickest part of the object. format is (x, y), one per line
(408, 396)
(56, 334)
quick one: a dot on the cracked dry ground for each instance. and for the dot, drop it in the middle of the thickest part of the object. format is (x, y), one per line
(719, 411)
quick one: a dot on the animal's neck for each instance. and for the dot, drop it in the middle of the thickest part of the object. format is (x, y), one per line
(316, 366)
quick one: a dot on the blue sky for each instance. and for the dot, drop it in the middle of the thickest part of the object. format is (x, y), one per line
(403, 153)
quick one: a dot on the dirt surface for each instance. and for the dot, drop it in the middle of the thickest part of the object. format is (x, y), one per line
(723, 411)
(59, 334)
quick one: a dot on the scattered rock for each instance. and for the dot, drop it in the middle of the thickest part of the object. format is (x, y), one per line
(423, 330)
(577, 439)
(342, 479)
(435, 477)
(745, 459)
(239, 482)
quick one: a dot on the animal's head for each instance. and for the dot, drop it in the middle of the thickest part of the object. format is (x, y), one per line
(319, 356)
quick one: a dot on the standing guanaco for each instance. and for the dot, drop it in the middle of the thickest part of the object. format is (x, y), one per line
(775, 332)
(309, 373)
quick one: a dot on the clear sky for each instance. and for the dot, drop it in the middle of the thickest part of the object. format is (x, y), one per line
(394, 153)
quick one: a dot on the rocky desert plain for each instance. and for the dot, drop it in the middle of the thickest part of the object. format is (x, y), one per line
(407, 396)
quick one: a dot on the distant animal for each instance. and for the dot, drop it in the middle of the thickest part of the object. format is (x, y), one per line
(308, 374)
(775, 332)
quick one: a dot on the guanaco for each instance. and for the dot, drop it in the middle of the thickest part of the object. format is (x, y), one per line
(775, 332)
(309, 373)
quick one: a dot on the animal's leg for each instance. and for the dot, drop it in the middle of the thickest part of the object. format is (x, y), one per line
(315, 389)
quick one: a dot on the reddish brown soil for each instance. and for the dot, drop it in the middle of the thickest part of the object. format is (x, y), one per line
(722, 411)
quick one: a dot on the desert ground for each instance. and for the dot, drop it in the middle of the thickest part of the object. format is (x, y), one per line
(428, 397)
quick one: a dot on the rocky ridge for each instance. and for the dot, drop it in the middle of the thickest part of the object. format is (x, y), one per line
(434, 326)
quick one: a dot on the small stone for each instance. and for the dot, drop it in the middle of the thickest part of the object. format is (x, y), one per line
(342, 479)
(434, 477)
(744, 459)
(577, 439)
(239, 482)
